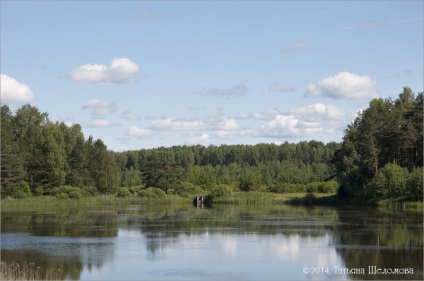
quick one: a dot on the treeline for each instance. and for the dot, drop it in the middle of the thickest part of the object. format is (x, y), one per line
(381, 155)
(38, 155)
(262, 167)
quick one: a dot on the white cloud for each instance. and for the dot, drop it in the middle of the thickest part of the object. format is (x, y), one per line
(170, 124)
(202, 139)
(99, 123)
(237, 90)
(130, 116)
(12, 91)
(276, 87)
(319, 111)
(120, 71)
(228, 124)
(100, 107)
(139, 132)
(344, 85)
(281, 126)
(296, 47)
(305, 121)
(213, 123)
(265, 115)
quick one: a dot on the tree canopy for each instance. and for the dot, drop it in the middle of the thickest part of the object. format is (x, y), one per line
(387, 132)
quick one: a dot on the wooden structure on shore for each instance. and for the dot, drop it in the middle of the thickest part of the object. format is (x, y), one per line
(198, 201)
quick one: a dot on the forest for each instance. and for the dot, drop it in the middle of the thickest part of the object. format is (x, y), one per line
(380, 156)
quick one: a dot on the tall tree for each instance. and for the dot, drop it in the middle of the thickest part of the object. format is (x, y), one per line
(103, 168)
(387, 132)
(12, 166)
(27, 124)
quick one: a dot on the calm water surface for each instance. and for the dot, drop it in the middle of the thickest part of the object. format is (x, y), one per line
(221, 243)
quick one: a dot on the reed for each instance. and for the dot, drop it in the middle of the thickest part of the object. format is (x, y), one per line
(101, 200)
(27, 271)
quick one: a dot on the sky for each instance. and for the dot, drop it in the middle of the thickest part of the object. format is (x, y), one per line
(145, 74)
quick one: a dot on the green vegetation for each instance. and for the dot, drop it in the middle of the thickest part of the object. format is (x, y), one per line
(380, 158)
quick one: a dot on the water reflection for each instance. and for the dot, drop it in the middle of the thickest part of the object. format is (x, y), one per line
(232, 242)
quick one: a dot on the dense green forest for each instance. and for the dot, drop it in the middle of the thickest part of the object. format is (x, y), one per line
(382, 150)
(381, 156)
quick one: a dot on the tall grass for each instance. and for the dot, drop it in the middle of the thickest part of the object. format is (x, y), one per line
(28, 271)
(100, 200)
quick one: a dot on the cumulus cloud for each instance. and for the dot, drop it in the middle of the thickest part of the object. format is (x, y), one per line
(213, 123)
(120, 71)
(228, 124)
(139, 132)
(100, 107)
(319, 112)
(99, 123)
(13, 91)
(278, 88)
(265, 115)
(237, 90)
(202, 139)
(169, 124)
(344, 85)
(281, 126)
(296, 47)
(305, 121)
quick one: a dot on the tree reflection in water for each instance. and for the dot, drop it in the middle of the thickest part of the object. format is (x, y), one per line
(78, 239)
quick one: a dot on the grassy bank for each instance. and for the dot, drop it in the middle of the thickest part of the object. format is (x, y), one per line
(247, 198)
(103, 200)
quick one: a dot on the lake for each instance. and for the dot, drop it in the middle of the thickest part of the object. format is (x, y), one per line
(219, 243)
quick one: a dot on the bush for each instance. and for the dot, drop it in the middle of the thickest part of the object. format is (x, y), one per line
(75, 195)
(414, 183)
(39, 191)
(171, 191)
(152, 192)
(187, 188)
(135, 189)
(328, 187)
(62, 196)
(390, 182)
(123, 192)
(89, 191)
(70, 191)
(20, 190)
(221, 190)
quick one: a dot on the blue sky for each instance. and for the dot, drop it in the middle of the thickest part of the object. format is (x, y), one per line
(141, 74)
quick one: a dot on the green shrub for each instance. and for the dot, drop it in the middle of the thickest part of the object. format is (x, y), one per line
(171, 191)
(39, 191)
(20, 190)
(75, 195)
(414, 183)
(63, 189)
(328, 187)
(135, 189)
(88, 191)
(389, 182)
(62, 196)
(123, 192)
(187, 188)
(221, 190)
(70, 191)
(152, 192)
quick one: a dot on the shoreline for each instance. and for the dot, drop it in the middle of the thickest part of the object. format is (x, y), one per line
(236, 198)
